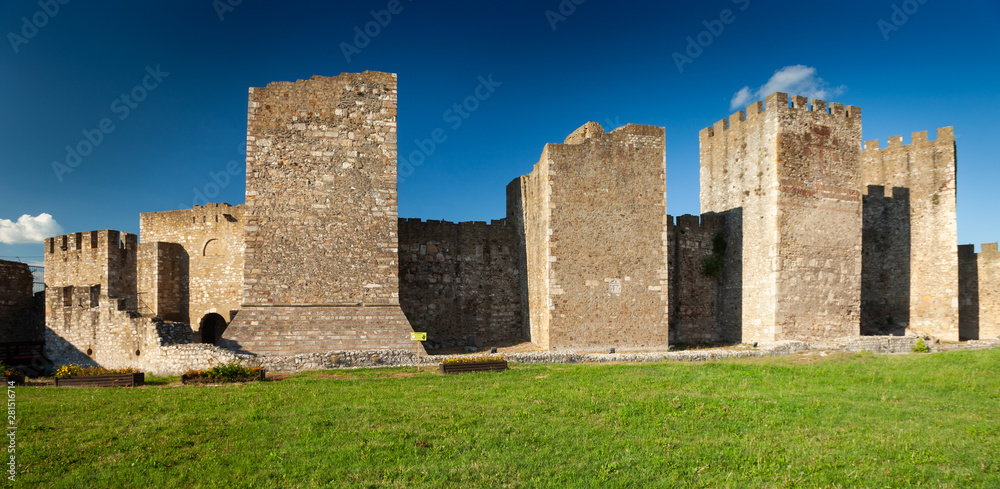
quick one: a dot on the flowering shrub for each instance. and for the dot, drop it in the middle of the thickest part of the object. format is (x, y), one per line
(230, 372)
(474, 359)
(73, 369)
(7, 369)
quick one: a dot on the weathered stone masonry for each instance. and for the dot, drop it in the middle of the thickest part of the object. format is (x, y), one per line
(794, 175)
(596, 239)
(459, 281)
(926, 170)
(203, 246)
(320, 264)
(16, 303)
(979, 292)
(803, 236)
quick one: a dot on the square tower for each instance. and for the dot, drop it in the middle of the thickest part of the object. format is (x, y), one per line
(320, 265)
(593, 219)
(794, 175)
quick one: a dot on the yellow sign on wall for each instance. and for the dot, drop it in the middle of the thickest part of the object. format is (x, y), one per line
(418, 336)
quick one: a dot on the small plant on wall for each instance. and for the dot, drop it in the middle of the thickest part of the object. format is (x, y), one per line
(713, 264)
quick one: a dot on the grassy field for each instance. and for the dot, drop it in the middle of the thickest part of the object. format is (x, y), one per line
(801, 421)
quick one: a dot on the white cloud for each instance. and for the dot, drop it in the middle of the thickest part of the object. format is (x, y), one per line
(794, 80)
(29, 229)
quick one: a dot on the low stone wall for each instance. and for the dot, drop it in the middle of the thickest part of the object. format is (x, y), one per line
(177, 359)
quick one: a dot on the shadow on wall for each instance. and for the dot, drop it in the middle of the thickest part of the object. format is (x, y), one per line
(968, 293)
(458, 282)
(885, 261)
(729, 302)
(705, 275)
(58, 348)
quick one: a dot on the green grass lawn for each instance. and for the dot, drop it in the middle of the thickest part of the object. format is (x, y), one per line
(844, 421)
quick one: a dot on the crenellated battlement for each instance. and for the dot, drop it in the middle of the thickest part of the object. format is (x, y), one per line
(945, 136)
(409, 221)
(89, 242)
(704, 222)
(106, 258)
(874, 193)
(989, 250)
(780, 100)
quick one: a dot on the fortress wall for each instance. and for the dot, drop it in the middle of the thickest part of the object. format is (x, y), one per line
(989, 291)
(694, 294)
(459, 281)
(885, 261)
(16, 302)
(607, 239)
(979, 292)
(320, 263)
(209, 262)
(927, 170)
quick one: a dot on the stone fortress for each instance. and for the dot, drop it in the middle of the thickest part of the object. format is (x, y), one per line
(805, 234)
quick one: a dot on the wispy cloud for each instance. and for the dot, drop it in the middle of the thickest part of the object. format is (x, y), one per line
(29, 229)
(794, 79)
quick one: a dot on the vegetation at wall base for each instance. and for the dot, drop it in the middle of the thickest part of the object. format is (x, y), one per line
(920, 347)
(845, 420)
(73, 370)
(230, 372)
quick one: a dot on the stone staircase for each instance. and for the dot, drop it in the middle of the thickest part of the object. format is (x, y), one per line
(294, 330)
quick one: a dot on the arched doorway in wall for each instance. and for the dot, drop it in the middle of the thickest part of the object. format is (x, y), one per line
(212, 327)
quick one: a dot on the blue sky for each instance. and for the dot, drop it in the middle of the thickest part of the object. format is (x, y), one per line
(184, 68)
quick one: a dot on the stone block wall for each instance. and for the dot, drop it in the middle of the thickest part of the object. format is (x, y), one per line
(927, 170)
(209, 263)
(885, 261)
(694, 291)
(321, 192)
(793, 174)
(459, 281)
(85, 326)
(16, 303)
(979, 292)
(321, 216)
(163, 278)
(595, 223)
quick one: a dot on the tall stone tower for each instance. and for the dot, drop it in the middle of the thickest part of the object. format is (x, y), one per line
(320, 268)
(793, 176)
(592, 217)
